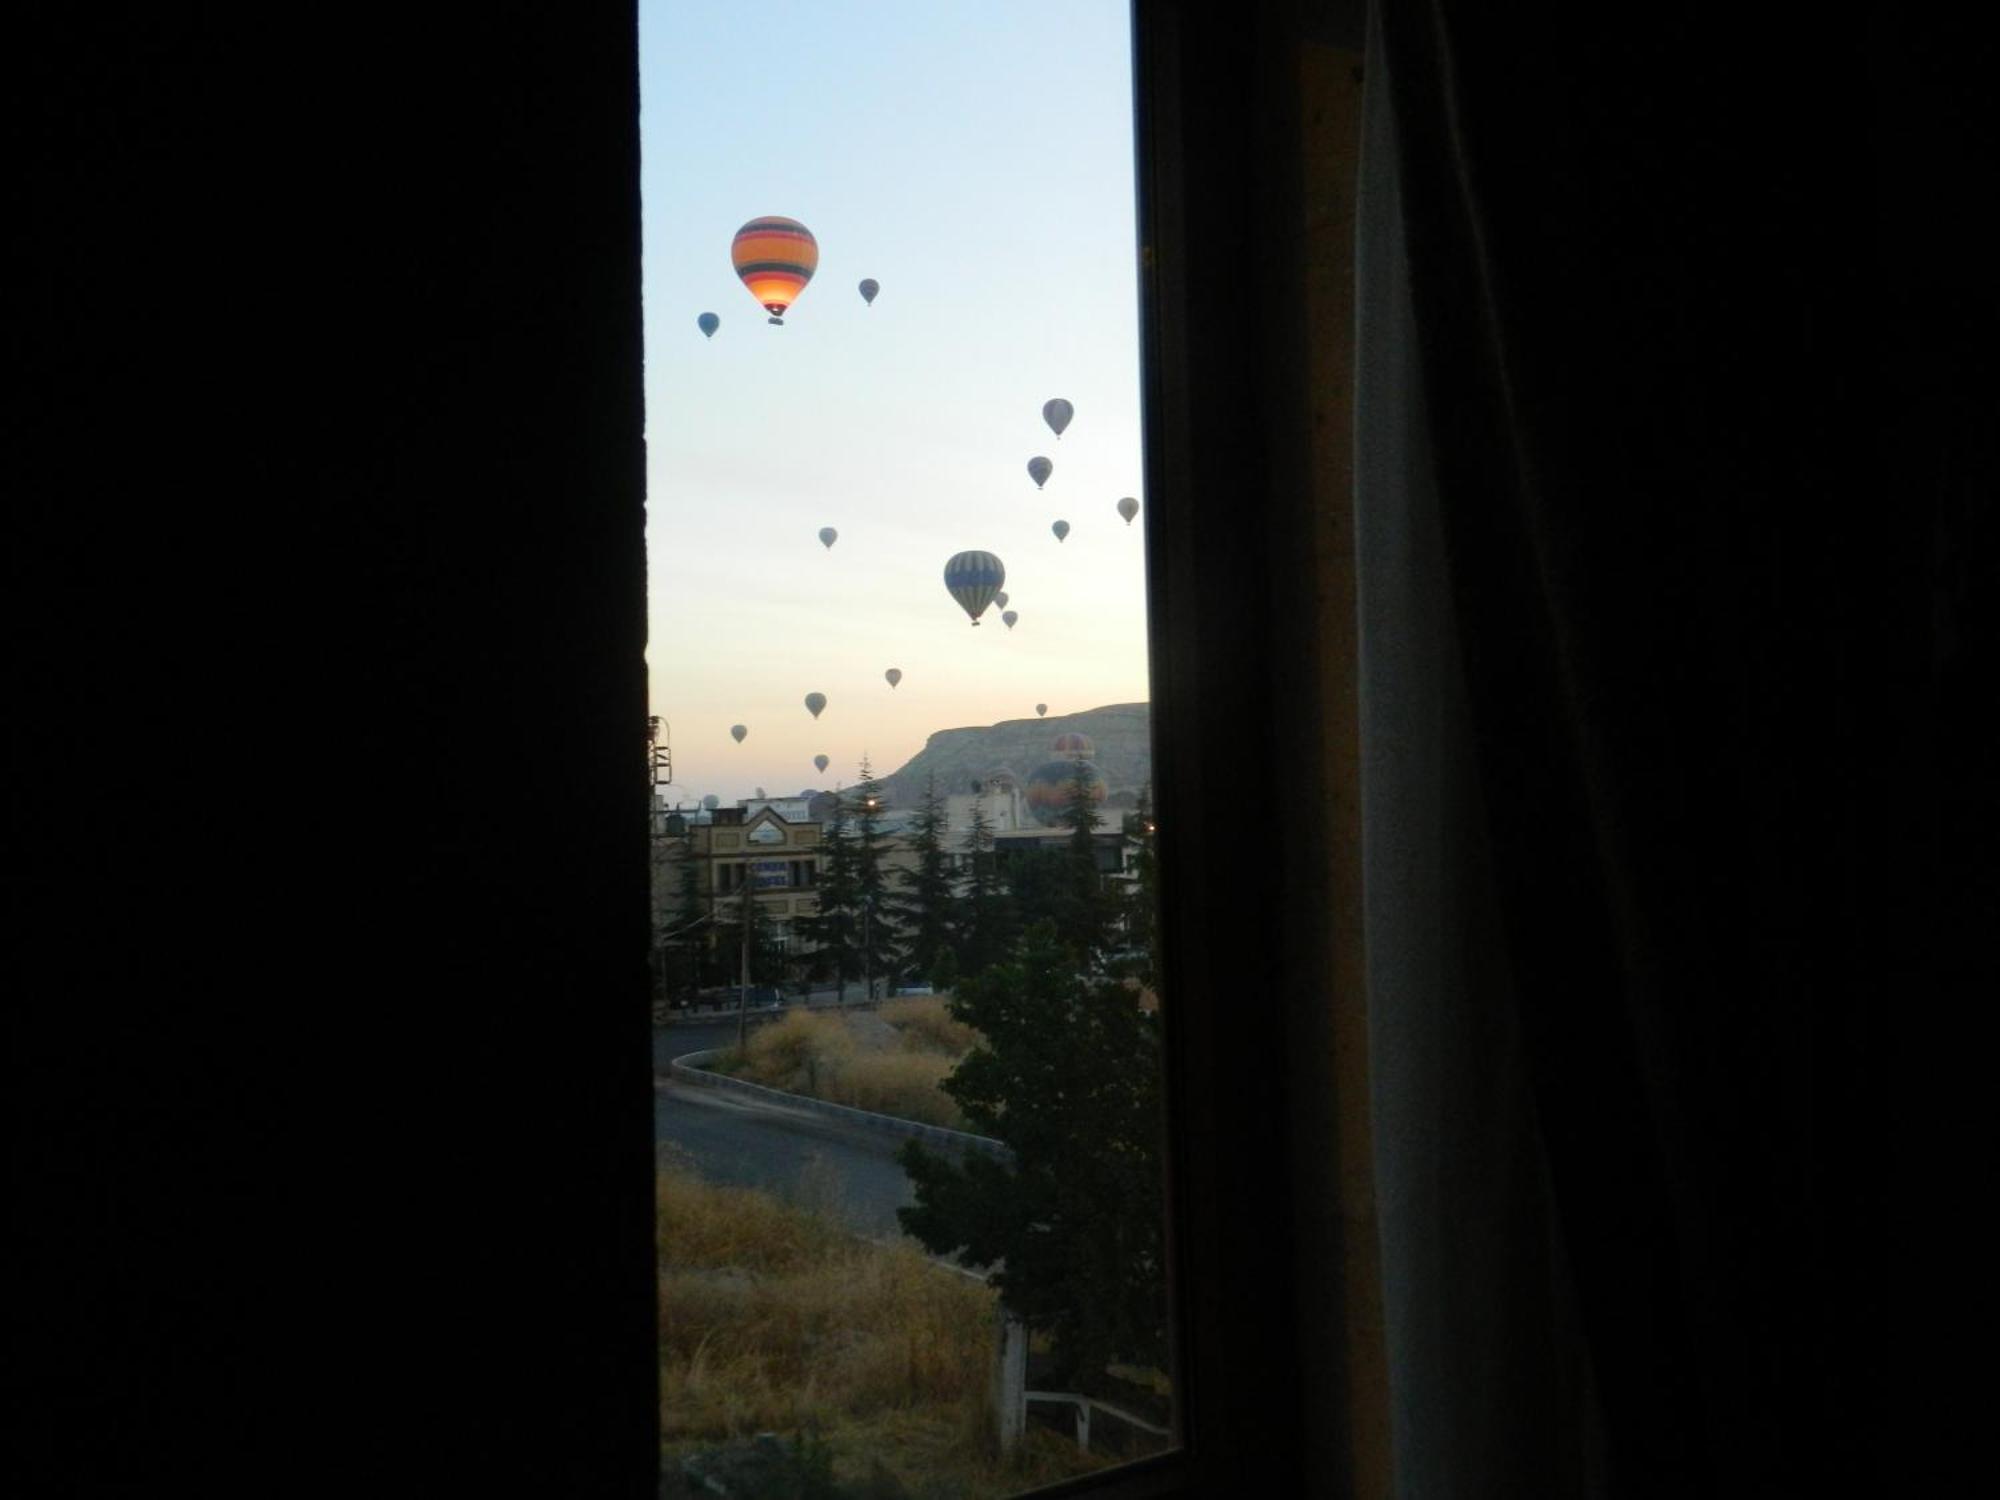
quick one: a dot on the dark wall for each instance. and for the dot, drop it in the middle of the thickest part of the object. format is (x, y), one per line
(329, 822)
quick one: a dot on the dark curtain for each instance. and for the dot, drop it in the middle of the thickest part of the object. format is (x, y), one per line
(1658, 616)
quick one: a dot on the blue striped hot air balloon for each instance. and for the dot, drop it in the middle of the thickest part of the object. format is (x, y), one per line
(973, 578)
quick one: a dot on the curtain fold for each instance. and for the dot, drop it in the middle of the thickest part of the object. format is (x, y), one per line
(1607, 626)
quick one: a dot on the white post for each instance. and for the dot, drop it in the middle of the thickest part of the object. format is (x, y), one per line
(1010, 1383)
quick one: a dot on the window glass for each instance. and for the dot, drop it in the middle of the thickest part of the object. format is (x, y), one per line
(898, 601)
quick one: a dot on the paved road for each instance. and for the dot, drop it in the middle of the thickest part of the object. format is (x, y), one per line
(802, 1157)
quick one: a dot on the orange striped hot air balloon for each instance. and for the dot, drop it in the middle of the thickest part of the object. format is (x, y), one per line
(775, 258)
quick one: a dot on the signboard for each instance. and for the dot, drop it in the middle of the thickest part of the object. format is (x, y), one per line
(769, 874)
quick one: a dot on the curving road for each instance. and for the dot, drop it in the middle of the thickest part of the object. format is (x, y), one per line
(801, 1157)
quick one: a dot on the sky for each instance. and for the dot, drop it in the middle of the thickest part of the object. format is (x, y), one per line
(976, 159)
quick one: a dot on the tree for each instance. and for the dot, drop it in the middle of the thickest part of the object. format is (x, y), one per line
(1084, 915)
(877, 935)
(834, 928)
(923, 902)
(1067, 1074)
(983, 927)
(767, 958)
(1142, 906)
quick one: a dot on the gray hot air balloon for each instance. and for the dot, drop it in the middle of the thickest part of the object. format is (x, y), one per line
(1057, 414)
(814, 703)
(1039, 469)
(894, 674)
(1008, 617)
(828, 536)
(760, 794)
(869, 288)
(1128, 508)
(708, 323)
(820, 763)
(973, 578)
(1040, 709)
(711, 802)
(736, 732)
(1001, 598)
(1061, 529)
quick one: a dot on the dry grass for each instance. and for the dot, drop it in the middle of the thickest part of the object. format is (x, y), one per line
(927, 1025)
(855, 1061)
(774, 1320)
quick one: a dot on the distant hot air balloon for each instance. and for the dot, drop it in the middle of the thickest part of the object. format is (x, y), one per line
(828, 536)
(1008, 617)
(820, 763)
(1075, 744)
(1001, 598)
(775, 257)
(1057, 414)
(894, 674)
(1061, 529)
(973, 578)
(1039, 469)
(711, 802)
(708, 323)
(869, 288)
(1040, 709)
(1128, 508)
(760, 793)
(1051, 786)
(736, 732)
(814, 703)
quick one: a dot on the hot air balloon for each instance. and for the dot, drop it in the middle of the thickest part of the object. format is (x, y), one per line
(711, 802)
(820, 763)
(775, 257)
(1061, 529)
(1128, 508)
(1001, 598)
(1049, 788)
(828, 536)
(708, 323)
(973, 578)
(1039, 469)
(1008, 617)
(869, 288)
(894, 674)
(814, 703)
(1057, 414)
(736, 732)
(1075, 744)
(760, 794)
(1040, 709)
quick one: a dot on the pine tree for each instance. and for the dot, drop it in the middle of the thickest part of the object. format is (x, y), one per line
(1142, 908)
(982, 929)
(923, 901)
(834, 928)
(1085, 909)
(1068, 1075)
(877, 935)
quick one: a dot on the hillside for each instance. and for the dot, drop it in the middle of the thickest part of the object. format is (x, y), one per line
(1122, 732)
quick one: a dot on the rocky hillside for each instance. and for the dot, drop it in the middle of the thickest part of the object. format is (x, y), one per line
(1121, 731)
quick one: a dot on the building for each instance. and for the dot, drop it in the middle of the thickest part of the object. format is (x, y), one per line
(702, 859)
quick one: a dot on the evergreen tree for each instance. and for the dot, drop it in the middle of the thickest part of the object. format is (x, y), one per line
(1068, 1075)
(876, 938)
(767, 958)
(834, 929)
(922, 903)
(1085, 914)
(1142, 907)
(982, 929)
